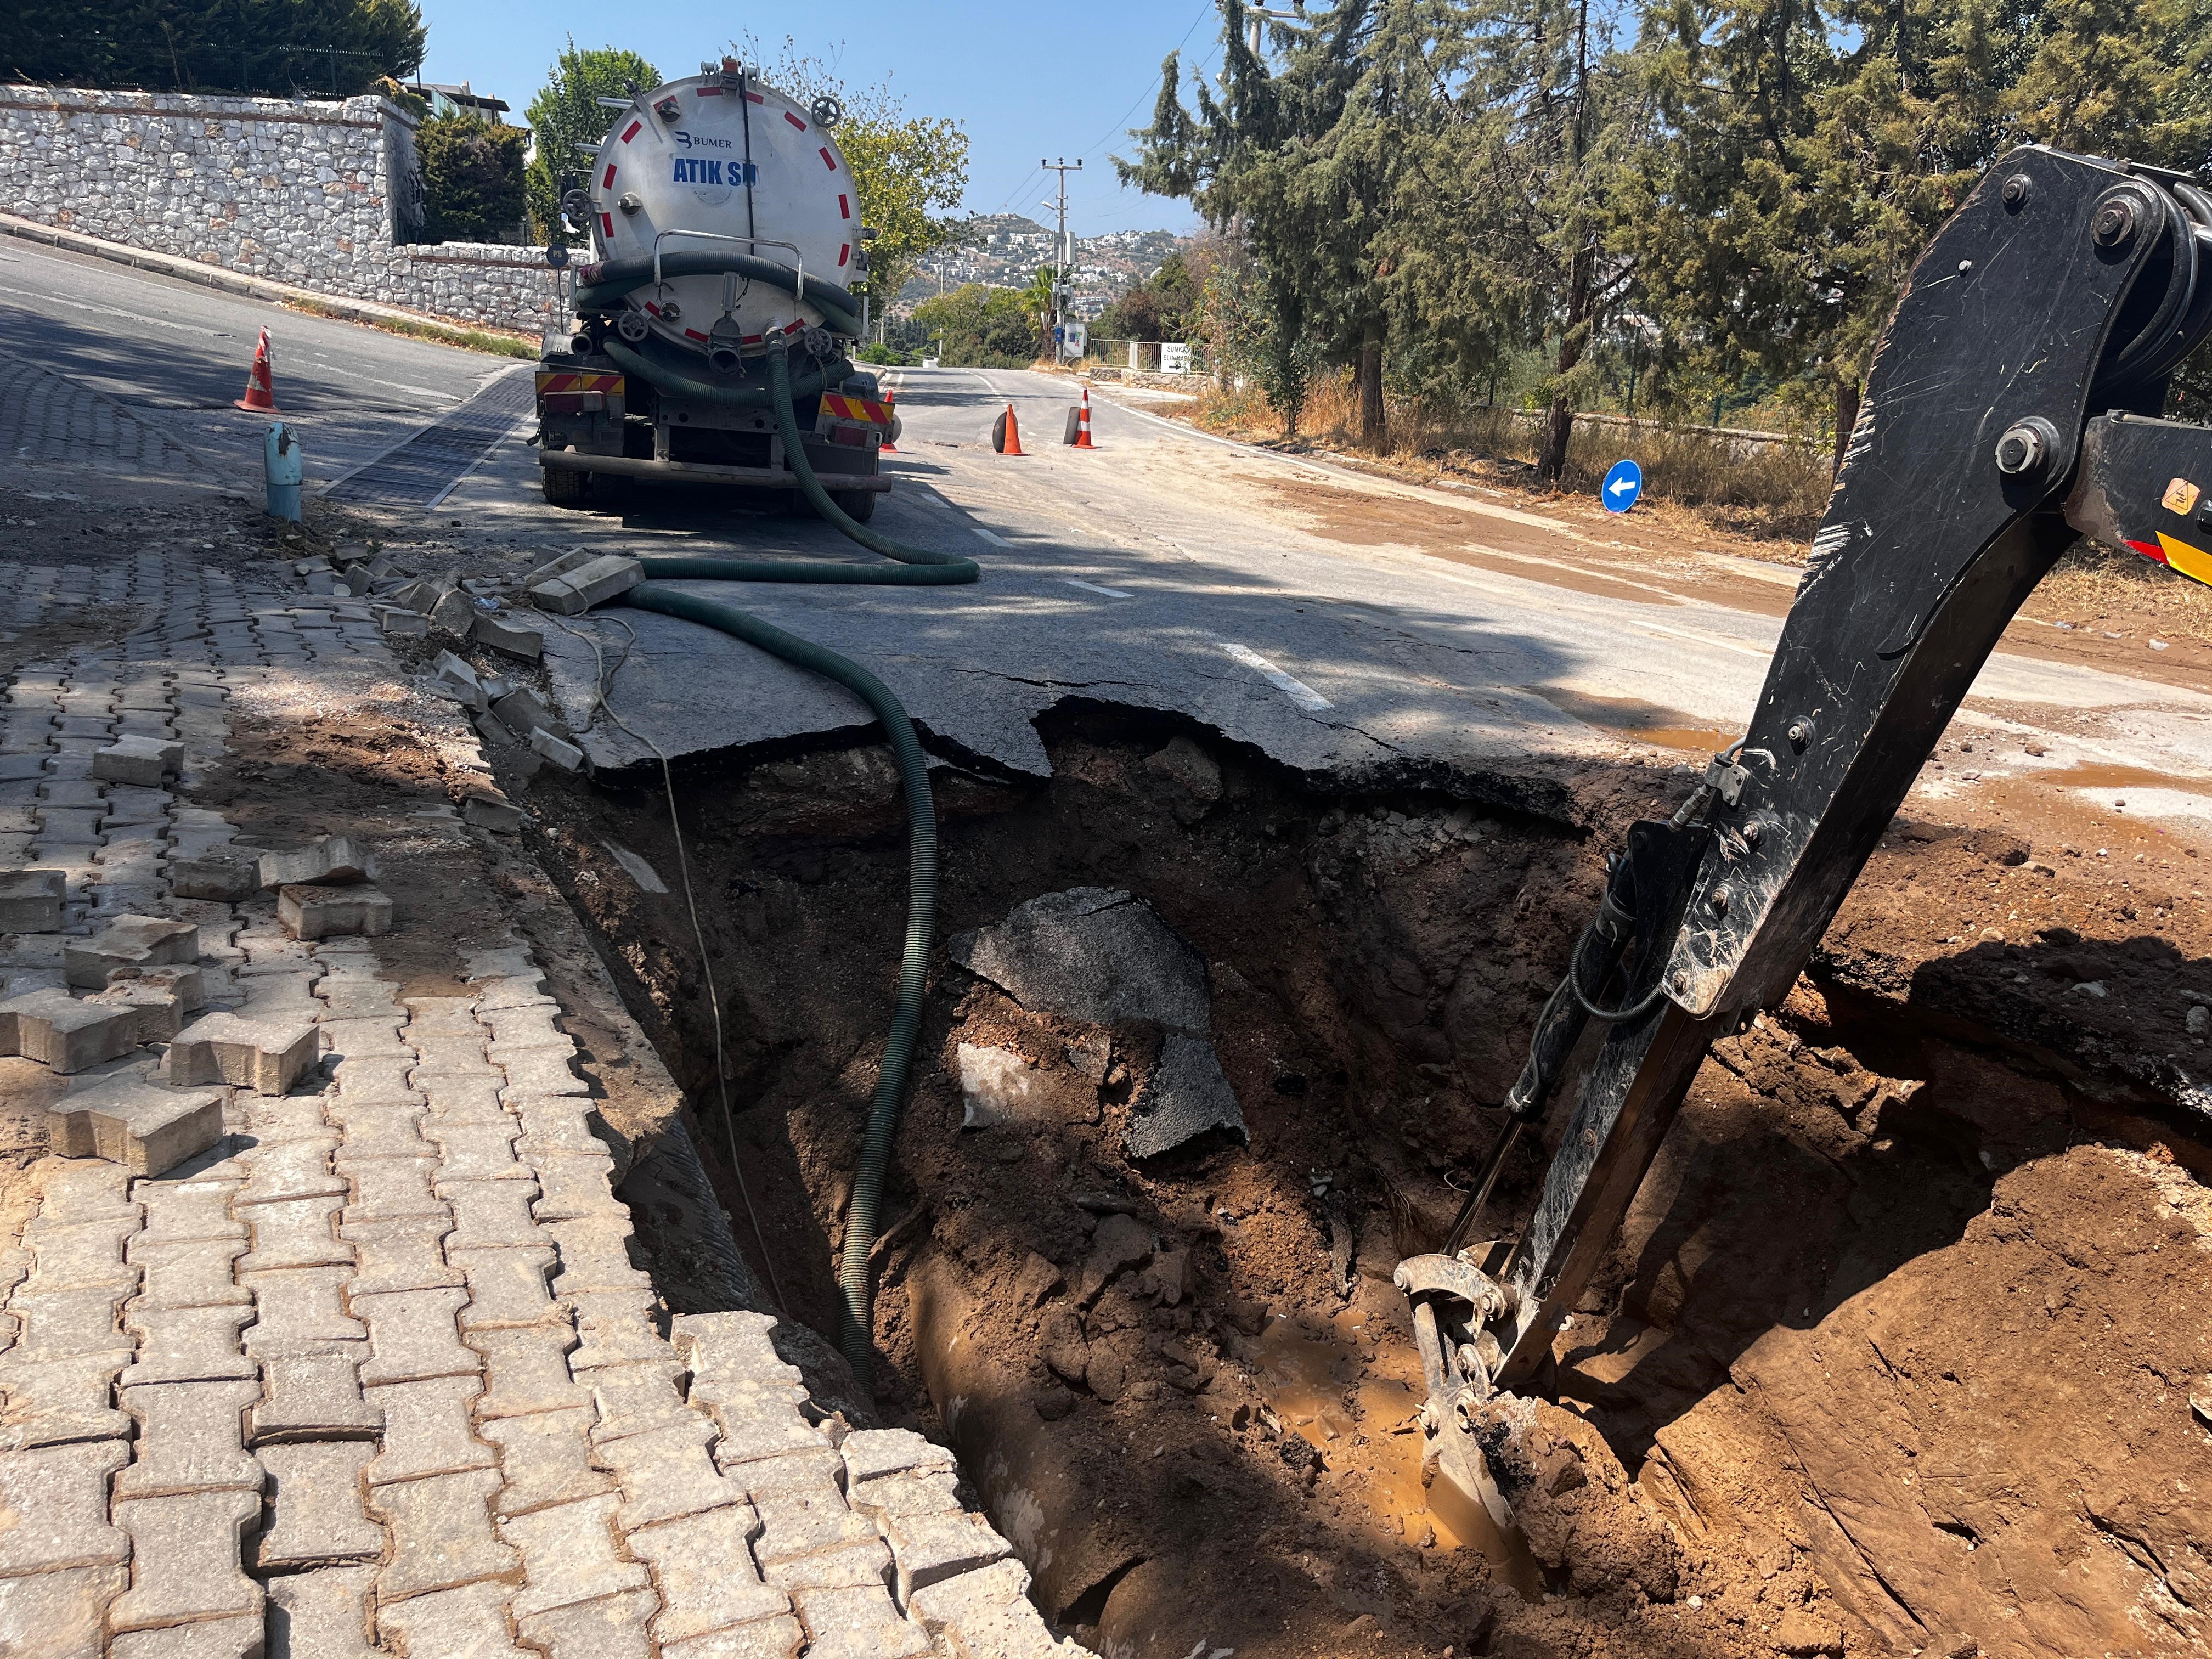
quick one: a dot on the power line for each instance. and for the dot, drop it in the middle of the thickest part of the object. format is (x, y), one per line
(1151, 86)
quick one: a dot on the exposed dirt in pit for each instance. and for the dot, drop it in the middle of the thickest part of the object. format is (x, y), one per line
(1866, 1291)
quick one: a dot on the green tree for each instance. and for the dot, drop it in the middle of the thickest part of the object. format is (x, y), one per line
(909, 171)
(566, 114)
(317, 47)
(982, 327)
(472, 178)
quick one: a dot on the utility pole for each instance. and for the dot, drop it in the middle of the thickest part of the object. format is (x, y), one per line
(1065, 256)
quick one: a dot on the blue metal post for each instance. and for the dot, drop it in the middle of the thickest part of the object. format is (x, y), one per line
(280, 460)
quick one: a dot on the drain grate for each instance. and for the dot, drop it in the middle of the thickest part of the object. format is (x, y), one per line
(424, 469)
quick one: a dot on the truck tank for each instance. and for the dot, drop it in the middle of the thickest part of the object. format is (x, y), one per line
(723, 162)
(725, 228)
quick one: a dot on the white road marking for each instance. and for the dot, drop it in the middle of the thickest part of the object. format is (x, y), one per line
(995, 541)
(219, 334)
(1296, 689)
(1093, 587)
(1758, 654)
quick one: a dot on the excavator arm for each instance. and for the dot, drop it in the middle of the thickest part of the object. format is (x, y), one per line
(2012, 406)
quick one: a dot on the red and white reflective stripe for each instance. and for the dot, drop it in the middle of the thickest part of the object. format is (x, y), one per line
(693, 334)
(632, 130)
(756, 98)
(828, 160)
(794, 120)
(608, 183)
(710, 92)
(844, 252)
(652, 307)
(844, 206)
(607, 224)
(750, 339)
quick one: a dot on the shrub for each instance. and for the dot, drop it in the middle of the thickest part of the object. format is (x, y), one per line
(472, 183)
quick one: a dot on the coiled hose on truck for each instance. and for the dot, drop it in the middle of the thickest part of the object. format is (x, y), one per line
(914, 567)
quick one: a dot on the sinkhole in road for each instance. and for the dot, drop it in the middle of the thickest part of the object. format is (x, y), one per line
(1182, 1383)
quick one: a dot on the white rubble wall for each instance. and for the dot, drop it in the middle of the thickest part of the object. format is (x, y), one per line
(314, 195)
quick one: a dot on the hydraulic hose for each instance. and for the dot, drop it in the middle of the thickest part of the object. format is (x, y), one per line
(916, 566)
(671, 379)
(602, 285)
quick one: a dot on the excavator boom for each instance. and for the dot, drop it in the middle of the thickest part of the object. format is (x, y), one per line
(2012, 406)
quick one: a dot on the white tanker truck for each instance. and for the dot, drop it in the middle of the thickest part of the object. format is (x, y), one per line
(725, 229)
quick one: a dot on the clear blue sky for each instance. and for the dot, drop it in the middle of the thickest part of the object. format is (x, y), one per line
(1025, 82)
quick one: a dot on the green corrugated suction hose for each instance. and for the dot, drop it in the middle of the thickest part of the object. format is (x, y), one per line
(916, 567)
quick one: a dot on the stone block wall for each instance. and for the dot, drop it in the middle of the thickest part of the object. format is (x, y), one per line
(314, 195)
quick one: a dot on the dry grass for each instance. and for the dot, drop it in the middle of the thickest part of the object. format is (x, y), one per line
(2117, 592)
(468, 339)
(1760, 490)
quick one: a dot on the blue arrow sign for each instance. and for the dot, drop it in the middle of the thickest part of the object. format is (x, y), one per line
(1621, 487)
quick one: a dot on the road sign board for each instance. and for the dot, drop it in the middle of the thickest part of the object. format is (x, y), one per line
(1621, 487)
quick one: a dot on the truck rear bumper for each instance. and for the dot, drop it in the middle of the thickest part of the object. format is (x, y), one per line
(762, 478)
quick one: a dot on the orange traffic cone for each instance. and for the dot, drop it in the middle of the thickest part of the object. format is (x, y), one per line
(891, 402)
(1006, 433)
(260, 386)
(1083, 423)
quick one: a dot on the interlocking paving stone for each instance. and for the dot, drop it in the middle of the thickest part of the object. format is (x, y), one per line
(442, 1534)
(185, 1559)
(506, 1286)
(190, 1439)
(300, 1310)
(401, 1310)
(427, 1428)
(392, 1189)
(857, 1623)
(295, 1233)
(467, 1623)
(779, 1637)
(53, 1507)
(187, 1344)
(613, 1628)
(569, 1556)
(929, 1548)
(490, 1214)
(668, 1472)
(210, 1639)
(314, 1394)
(290, 1169)
(315, 1505)
(526, 1370)
(404, 1254)
(52, 1401)
(544, 1460)
(412, 1335)
(321, 1614)
(703, 1567)
(59, 1613)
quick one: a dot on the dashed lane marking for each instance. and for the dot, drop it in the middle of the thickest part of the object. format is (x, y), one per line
(1093, 587)
(1292, 687)
(995, 541)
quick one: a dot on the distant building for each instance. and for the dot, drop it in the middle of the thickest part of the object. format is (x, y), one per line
(460, 101)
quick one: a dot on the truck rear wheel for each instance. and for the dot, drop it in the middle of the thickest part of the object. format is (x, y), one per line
(563, 486)
(859, 505)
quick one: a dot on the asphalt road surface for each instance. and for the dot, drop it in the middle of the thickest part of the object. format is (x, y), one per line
(1162, 571)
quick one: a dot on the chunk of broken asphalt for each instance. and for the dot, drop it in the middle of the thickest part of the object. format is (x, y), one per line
(1186, 1096)
(1096, 954)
